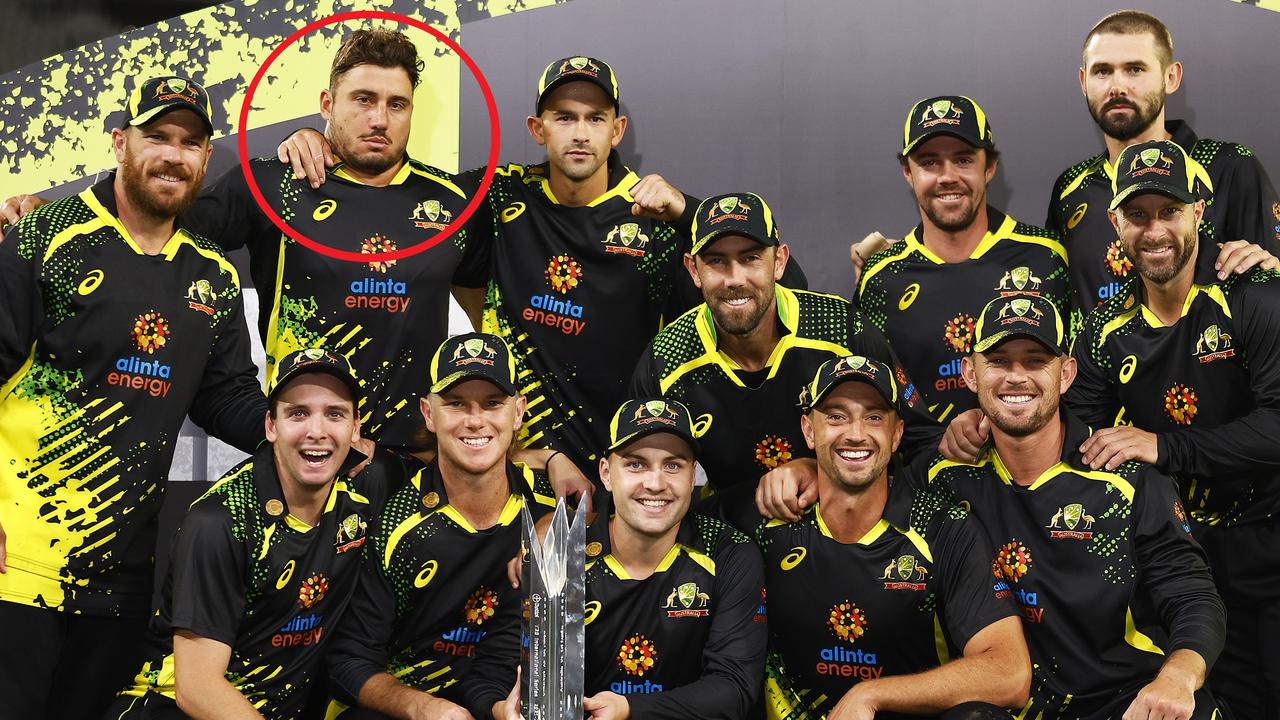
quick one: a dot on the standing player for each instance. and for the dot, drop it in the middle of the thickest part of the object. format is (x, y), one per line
(1127, 71)
(925, 292)
(115, 323)
(1100, 559)
(1190, 375)
(674, 627)
(433, 584)
(880, 584)
(739, 359)
(265, 562)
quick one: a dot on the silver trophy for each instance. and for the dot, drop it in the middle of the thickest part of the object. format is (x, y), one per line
(554, 577)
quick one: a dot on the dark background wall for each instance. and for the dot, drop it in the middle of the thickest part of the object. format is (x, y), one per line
(803, 101)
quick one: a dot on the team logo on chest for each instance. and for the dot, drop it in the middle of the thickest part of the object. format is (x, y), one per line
(899, 573)
(687, 600)
(1213, 344)
(351, 534)
(428, 212)
(627, 238)
(1181, 403)
(200, 296)
(1064, 522)
(1019, 280)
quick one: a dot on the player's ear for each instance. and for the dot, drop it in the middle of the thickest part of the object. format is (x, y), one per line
(1199, 211)
(898, 428)
(117, 144)
(1068, 374)
(692, 266)
(969, 373)
(1083, 91)
(604, 473)
(781, 254)
(521, 404)
(326, 104)
(1114, 217)
(270, 423)
(619, 129)
(424, 406)
(534, 123)
(1172, 77)
(806, 427)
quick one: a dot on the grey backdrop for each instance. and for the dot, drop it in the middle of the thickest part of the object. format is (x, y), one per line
(803, 101)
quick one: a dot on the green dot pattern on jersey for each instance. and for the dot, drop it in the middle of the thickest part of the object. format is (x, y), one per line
(239, 495)
(59, 273)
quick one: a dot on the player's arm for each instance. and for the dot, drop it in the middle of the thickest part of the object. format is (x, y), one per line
(229, 404)
(1173, 571)
(733, 658)
(200, 682)
(487, 685)
(226, 213)
(1250, 203)
(1249, 441)
(308, 152)
(1092, 396)
(1053, 217)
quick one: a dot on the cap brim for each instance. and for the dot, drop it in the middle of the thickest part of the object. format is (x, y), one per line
(973, 142)
(155, 113)
(1143, 188)
(452, 379)
(992, 341)
(626, 440)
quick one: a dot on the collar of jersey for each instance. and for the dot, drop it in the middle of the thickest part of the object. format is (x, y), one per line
(101, 199)
(788, 315)
(267, 484)
(429, 480)
(1069, 461)
(896, 514)
(1213, 291)
(410, 167)
(686, 542)
(621, 180)
(999, 227)
(1180, 132)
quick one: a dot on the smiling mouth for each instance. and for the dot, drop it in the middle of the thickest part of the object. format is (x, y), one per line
(736, 302)
(476, 442)
(316, 457)
(857, 455)
(950, 197)
(1016, 399)
(653, 503)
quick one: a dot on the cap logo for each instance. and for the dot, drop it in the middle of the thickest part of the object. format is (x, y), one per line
(578, 62)
(1150, 157)
(578, 65)
(1020, 307)
(942, 112)
(176, 85)
(176, 88)
(658, 411)
(729, 208)
(855, 364)
(473, 347)
(313, 354)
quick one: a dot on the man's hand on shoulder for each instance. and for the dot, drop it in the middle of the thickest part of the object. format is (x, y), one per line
(1241, 256)
(1111, 447)
(787, 490)
(656, 198)
(17, 206)
(309, 153)
(965, 436)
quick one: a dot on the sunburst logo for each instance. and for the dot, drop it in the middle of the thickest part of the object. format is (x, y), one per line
(481, 606)
(313, 590)
(1117, 262)
(564, 273)
(1181, 404)
(637, 655)
(375, 245)
(773, 451)
(150, 332)
(959, 334)
(1013, 560)
(847, 621)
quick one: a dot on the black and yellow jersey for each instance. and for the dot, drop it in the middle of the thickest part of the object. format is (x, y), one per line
(387, 317)
(432, 589)
(103, 351)
(689, 640)
(577, 292)
(1208, 386)
(750, 422)
(245, 572)
(1243, 205)
(928, 308)
(907, 597)
(1103, 567)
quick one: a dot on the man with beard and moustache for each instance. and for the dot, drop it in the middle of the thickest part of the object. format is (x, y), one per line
(1190, 376)
(1128, 69)
(738, 359)
(116, 323)
(925, 292)
(882, 581)
(1100, 559)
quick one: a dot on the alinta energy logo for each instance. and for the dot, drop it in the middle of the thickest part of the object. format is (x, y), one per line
(150, 332)
(563, 274)
(848, 623)
(428, 212)
(627, 239)
(1181, 403)
(372, 293)
(305, 628)
(375, 245)
(905, 573)
(480, 607)
(1011, 564)
(1118, 265)
(957, 336)
(1213, 344)
(772, 451)
(637, 656)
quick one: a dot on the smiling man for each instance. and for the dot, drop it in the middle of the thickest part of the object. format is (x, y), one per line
(116, 323)
(925, 292)
(881, 583)
(1100, 559)
(1189, 374)
(433, 593)
(1127, 72)
(265, 562)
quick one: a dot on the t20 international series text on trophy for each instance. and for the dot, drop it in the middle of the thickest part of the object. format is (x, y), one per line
(554, 576)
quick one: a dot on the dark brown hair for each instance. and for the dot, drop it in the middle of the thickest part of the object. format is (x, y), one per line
(1136, 22)
(383, 48)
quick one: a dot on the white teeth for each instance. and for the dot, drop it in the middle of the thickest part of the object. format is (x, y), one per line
(476, 442)
(1016, 399)
(654, 503)
(854, 454)
(737, 301)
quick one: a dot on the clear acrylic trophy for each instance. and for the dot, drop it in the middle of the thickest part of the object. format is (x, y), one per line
(554, 578)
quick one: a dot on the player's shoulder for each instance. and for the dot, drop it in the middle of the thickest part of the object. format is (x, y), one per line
(1113, 313)
(231, 502)
(1027, 236)
(1078, 171)
(680, 337)
(901, 251)
(820, 316)
(436, 177)
(37, 229)
(715, 537)
(1214, 154)
(1255, 290)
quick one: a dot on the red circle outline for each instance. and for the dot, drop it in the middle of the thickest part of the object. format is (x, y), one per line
(451, 228)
